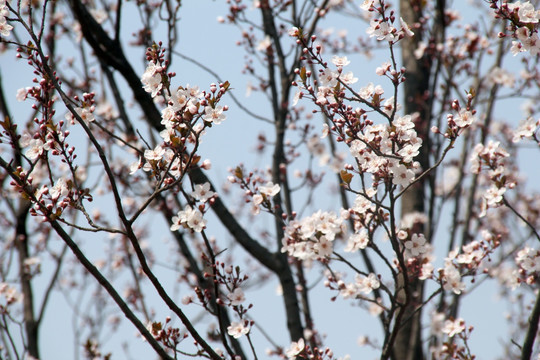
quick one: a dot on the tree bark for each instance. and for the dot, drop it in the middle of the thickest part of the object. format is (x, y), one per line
(408, 344)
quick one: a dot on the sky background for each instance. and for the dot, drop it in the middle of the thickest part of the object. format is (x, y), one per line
(213, 44)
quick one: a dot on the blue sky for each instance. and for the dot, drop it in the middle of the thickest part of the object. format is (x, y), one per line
(202, 38)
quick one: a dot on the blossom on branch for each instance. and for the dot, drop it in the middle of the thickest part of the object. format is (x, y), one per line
(202, 192)
(295, 349)
(190, 217)
(236, 297)
(453, 327)
(237, 330)
(270, 189)
(151, 79)
(214, 115)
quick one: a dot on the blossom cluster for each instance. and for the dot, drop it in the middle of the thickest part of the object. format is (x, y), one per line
(524, 19)
(466, 262)
(528, 260)
(185, 107)
(526, 129)
(166, 334)
(387, 152)
(451, 328)
(383, 28)
(362, 285)
(10, 294)
(311, 238)
(492, 156)
(5, 28)
(258, 191)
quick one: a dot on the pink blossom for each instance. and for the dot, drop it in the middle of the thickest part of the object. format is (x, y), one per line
(328, 78)
(295, 349)
(202, 192)
(236, 297)
(381, 30)
(154, 155)
(366, 4)
(237, 330)
(401, 175)
(454, 327)
(264, 44)
(36, 149)
(151, 79)
(357, 241)
(189, 217)
(525, 130)
(405, 28)
(464, 118)
(417, 245)
(270, 189)
(340, 61)
(527, 13)
(366, 284)
(452, 279)
(5, 28)
(294, 31)
(214, 115)
(323, 247)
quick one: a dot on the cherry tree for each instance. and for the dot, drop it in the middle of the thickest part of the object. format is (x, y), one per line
(390, 176)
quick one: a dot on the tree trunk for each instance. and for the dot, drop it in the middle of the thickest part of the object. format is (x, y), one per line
(408, 345)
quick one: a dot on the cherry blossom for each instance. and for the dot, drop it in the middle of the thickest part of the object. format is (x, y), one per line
(189, 217)
(295, 348)
(465, 118)
(361, 247)
(270, 189)
(340, 61)
(417, 245)
(405, 28)
(214, 115)
(328, 78)
(453, 327)
(526, 129)
(202, 192)
(357, 241)
(154, 155)
(22, 94)
(528, 259)
(381, 30)
(5, 28)
(237, 330)
(10, 293)
(401, 174)
(366, 284)
(452, 279)
(36, 148)
(151, 79)
(264, 44)
(236, 297)
(525, 11)
(348, 78)
(366, 4)
(59, 189)
(294, 31)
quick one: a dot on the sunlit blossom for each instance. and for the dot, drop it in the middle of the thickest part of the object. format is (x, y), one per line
(237, 330)
(453, 327)
(214, 115)
(270, 189)
(340, 61)
(202, 192)
(151, 79)
(296, 348)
